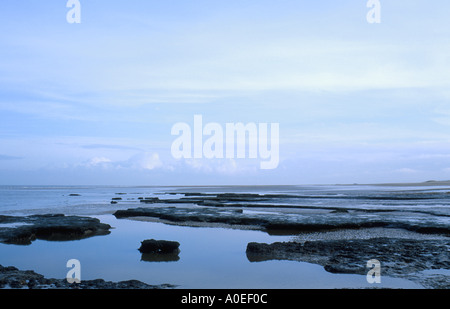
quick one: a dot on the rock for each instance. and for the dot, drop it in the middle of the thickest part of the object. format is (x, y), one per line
(149, 200)
(339, 211)
(50, 227)
(398, 257)
(160, 257)
(285, 223)
(113, 202)
(11, 277)
(116, 199)
(159, 246)
(200, 215)
(74, 194)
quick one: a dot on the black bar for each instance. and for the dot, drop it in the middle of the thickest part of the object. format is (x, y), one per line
(223, 298)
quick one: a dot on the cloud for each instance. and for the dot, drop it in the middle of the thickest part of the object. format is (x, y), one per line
(101, 146)
(7, 158)
(98, 161)
(146, 161)
(128, 70)
(219, 166)
(140, 161)
(344, 92)
(151, 161)
(406, 170)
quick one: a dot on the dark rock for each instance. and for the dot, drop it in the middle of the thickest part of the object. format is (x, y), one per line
(287, 224)
(211, 203)
(398, 257)
(150, 200)
(74, 194)
(50, 227)
(336, 211)
(11, 277)
(160, 257)
(159, 246)
(116, 198)
(196, 194)
(203, 215)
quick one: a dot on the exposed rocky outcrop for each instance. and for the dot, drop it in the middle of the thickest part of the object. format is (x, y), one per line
(199, 215)
(288, 223)
(150, 200)
(159, 246)
(11, 277)
(159, 250)
(258, 200)
(23, 230)
(160, 257)
(424, 244)
(398, 257)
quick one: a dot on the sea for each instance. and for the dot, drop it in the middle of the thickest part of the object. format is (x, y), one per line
(210, 257)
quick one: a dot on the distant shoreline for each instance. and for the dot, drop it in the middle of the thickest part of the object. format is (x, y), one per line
(429, 183)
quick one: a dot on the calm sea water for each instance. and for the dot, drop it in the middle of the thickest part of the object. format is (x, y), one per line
(51, 199)
(209, 257)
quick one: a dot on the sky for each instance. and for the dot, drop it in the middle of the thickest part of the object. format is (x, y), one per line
(94, 102)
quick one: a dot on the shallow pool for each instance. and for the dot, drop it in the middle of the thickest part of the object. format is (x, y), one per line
(209, 258)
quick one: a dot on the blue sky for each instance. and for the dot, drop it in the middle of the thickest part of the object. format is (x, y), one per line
(94, 103)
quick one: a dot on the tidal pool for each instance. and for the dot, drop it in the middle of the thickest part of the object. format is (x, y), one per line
(211, 258)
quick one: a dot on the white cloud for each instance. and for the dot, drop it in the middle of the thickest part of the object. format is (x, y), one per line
(146, 161)
(220, 166)
(98, 161)
(406, 170)
(140, 161)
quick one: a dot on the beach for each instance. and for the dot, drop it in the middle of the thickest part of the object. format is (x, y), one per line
(278, 237)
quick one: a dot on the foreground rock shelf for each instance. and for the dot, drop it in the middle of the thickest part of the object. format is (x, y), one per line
(405, 258)
(24, 230)
(11, 277)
